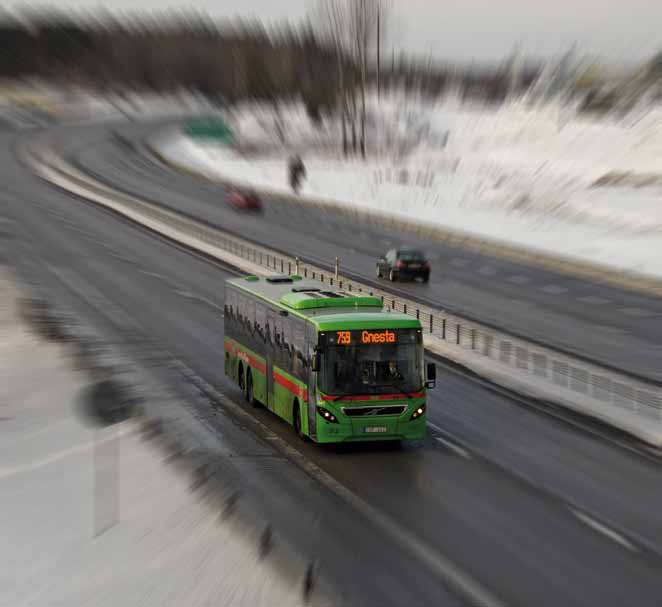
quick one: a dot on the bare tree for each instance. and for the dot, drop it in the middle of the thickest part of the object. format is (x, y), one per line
(353, 29)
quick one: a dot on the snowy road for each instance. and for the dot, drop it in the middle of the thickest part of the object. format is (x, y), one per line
(532, 509)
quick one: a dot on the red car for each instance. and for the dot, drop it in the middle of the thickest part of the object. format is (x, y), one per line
(244, 200)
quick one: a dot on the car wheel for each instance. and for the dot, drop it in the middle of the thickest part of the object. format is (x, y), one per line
(392, 276)
(426, 278)
(379, 272)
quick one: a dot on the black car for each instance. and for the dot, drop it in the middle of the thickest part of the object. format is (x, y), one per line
(403, 263)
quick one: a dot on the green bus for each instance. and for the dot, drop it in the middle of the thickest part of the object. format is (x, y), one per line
(333, 364)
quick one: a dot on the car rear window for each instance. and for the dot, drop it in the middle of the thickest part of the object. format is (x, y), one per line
(410, 256)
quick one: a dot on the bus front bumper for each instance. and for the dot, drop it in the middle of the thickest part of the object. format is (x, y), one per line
(372, 429)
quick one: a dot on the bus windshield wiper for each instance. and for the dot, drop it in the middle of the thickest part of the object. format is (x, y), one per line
(341, 396)
(397, 387)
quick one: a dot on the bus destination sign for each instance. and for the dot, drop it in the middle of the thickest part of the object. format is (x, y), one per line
(347, 338)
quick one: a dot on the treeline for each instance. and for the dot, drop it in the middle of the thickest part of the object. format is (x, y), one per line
(434, 79)
(227, 63)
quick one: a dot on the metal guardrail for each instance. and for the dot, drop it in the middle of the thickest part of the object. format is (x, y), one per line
(592, 385)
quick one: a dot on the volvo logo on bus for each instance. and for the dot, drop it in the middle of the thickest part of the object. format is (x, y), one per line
(377, 337)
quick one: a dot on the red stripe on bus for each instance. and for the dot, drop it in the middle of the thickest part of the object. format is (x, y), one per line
(257, 365)
(372, 397)
(289, 385)
(247, 358)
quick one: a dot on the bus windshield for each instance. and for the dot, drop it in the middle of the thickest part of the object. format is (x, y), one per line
(372, 368)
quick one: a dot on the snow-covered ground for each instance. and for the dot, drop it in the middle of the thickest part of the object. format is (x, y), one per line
(94, 516)
(516, 174)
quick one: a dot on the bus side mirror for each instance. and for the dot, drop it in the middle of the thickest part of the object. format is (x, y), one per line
(316, 363)
(431, 376)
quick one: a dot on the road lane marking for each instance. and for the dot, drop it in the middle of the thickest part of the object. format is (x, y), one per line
(75, 228)
(435, 427)
(553, 289)
(519, 280)
(637, 312)
(96, 241)
(453, 447)
(461, 451)
(122, 258)
(487, 271)
(190, 295)
(594, 301)
(604, 530)
(153, 274)
(51, 212)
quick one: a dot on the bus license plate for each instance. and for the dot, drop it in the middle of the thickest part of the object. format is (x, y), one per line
(375, 429)
(414, 266)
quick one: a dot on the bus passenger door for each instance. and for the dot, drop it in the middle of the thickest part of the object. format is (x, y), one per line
(311, 342)
(272, 320)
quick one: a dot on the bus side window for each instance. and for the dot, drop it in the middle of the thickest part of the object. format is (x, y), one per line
(260, 316)
(250, 316)
(287, 339)
(239, 307)
(298, 345)
(227, 308)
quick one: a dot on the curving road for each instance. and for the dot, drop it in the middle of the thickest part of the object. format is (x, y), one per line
(611, 325)
(537, 511)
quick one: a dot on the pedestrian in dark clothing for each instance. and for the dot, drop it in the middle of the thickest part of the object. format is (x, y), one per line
(297, 171)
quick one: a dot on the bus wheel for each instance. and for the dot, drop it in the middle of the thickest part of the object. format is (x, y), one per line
(296, 420)
(250, 397)
(240, 378)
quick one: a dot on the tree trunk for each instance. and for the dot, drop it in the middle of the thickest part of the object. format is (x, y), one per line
(356, 134)
(363, 109)
(364, 73)
(354, 140)
(343, 107)
(363, 117)
(379, 45)
(345, 143)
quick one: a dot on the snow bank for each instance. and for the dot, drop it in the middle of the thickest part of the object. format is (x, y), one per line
(93, 516)
(512, 174)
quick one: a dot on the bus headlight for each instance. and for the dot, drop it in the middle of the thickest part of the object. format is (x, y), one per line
(327, 415)
(418, 411)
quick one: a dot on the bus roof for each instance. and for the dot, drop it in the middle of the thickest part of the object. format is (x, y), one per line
(365, 320)
(323, 305)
